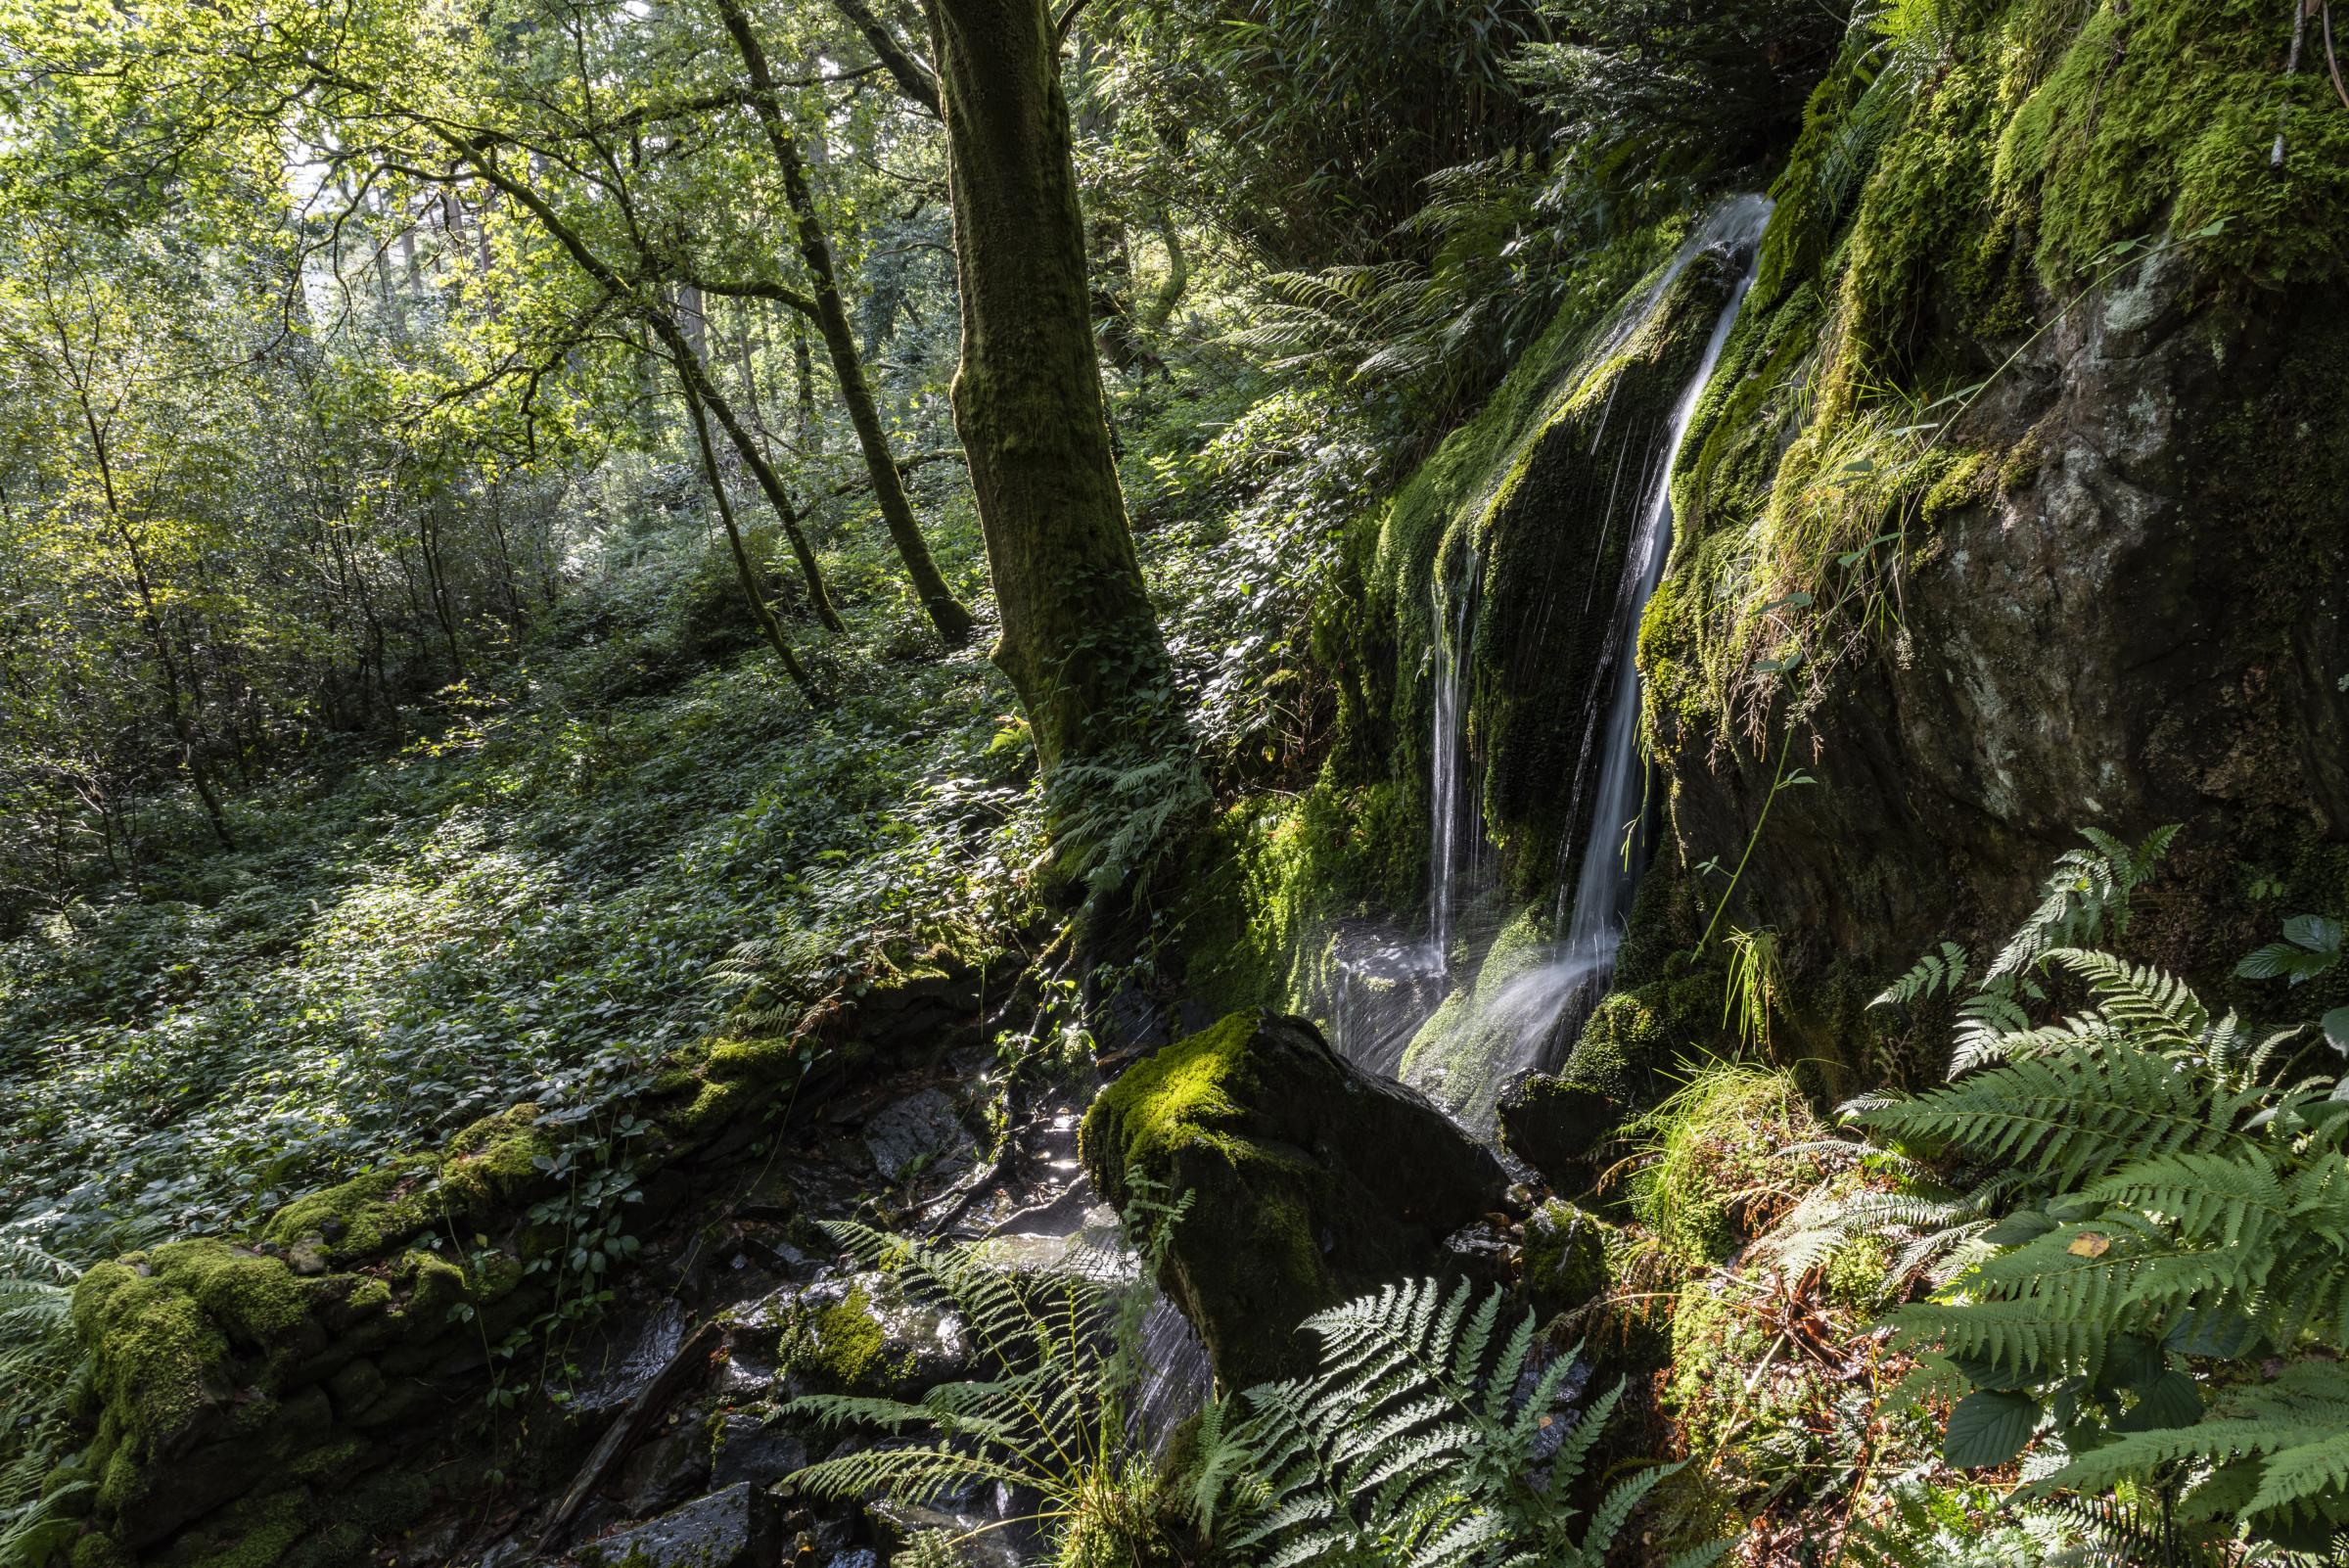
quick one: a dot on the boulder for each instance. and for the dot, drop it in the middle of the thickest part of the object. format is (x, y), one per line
(1553, 1124)
(1311, 1182)
(754, 1450)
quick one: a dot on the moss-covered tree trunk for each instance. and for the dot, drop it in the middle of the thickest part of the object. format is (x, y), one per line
(946, 613)
(1078, 640)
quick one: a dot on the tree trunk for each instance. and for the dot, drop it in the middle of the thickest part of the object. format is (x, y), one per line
(1079, 639)
(810, 434)
(744, 571)
(953, 622)
(706, 395)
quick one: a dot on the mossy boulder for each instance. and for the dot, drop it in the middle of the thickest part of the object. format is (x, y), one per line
(1634, 1038)
(1567, 1257)
(1310, 1180)
(1554, 1124)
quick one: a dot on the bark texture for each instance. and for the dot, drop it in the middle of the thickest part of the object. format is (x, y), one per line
(1079, 639)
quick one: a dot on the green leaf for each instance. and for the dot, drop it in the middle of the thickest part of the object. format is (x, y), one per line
(2336, 1030)
(2172, 1400)
(2265, 963)
(2314, 931)
(1987, 1428)
(2027, 1225)
(2220, 1332)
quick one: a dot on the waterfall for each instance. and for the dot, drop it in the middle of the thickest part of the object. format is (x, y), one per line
(1454, 820)
(1616, 847)
(1499, 1024)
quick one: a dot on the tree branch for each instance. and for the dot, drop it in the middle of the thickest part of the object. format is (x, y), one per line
(914, 78)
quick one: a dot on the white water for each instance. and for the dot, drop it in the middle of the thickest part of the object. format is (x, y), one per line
(1453, 816)
(1533, 1016)
(1616, 847)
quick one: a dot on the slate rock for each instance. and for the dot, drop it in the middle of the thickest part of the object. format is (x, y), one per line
(1554, 1124)
(755, 1452)
(666, 1469)
(921, 1133)
(737, 1528)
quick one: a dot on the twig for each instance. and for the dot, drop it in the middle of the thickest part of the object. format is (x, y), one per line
(2291, 67)
(2332, 62)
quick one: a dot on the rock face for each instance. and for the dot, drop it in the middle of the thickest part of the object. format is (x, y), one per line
(731, 1528)
(2138, 620)
(1311, 1182)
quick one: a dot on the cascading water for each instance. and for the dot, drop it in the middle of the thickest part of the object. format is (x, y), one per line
(1518, 1022)
(1614, 765)
(1453, 818)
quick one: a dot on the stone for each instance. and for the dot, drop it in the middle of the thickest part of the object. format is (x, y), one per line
(1565, 1257)
(856, 1333)
(1311, 1182)
(666, 1469)
(626, 1362)
(921, 1134)
(756, 1451)
(737, 1528)
(1553, 1124)
(307, 1256)
(976, 1545)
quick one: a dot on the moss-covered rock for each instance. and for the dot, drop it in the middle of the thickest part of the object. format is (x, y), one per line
(1493, 1023)
(1567, 1252)
(1311, 1182)
(1554, 1124)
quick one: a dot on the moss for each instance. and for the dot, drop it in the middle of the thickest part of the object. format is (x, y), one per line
(1858, 1274)
(156, 1357)
(96, 1550)
(1311, 1182)
(433, 1285)
(2169, 109)
(363, 1216)
(761, 1061)
(1464, 1051)
(255, 1532)
(843, 1345)
(716, 1104)
(254, 1298)
(1716, 1170)
(1174, 1100)
(1634, 1036)
(1274, 877)
(493, 1161)
(1567, 1253)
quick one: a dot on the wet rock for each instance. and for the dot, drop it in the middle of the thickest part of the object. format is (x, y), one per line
(920, 1135)
(667, 1470)
(736, 1528)
(1311, 1182)
(1566, 1253)
(856, 1333)
(754, 1450)
(898, 1523)
(628, 1360)
(1553, 1124)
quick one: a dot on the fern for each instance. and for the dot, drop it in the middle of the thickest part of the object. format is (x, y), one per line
(1426, 1439)
(1940, 972)
(1055, 1420)
(41, 1365)
(2087, 899)
(2181, 1237)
